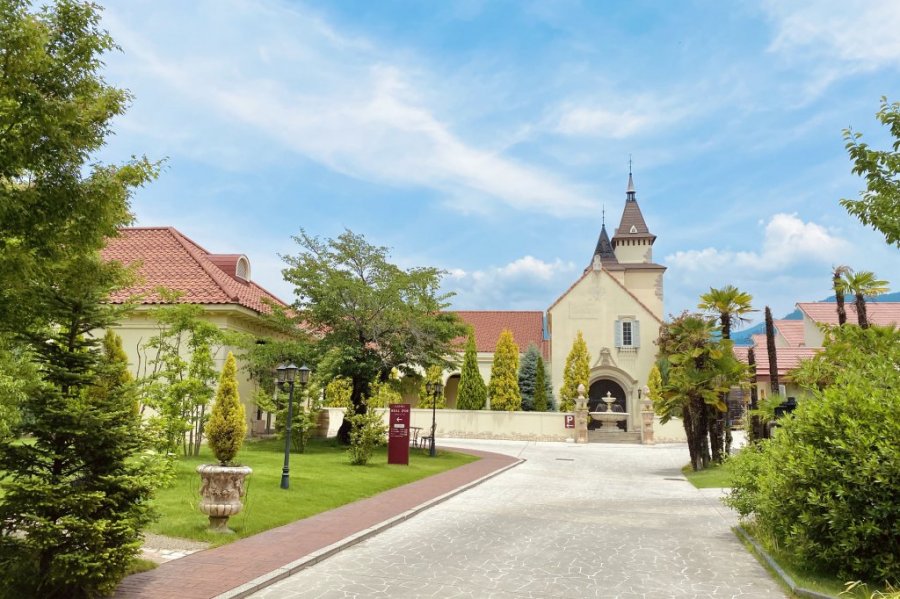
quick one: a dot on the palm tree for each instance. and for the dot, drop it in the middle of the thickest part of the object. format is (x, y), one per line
(730, 304)
(770, 349)
(862, 284)
(840, 287)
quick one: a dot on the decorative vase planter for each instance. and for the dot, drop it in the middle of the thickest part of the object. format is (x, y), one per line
(221, 490)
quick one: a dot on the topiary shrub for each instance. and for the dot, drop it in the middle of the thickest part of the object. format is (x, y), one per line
(227, 425)
(367, 432)
(826, 487)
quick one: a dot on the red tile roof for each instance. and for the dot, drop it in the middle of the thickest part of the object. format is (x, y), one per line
(880, 313)
(166, 258)
(787, 358)
(792, 331)
(526, 327)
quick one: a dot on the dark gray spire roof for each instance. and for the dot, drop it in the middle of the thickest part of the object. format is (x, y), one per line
(604, 247)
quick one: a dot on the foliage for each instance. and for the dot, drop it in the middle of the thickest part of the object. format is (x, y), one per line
(373, 315)
(840, 289)
(577, 372)
(337, 393)
(227, 424)
(528, 375)
(765, 408)
(864, 284)
(366, 433)
(654, 383)
(729, 304)
(697, 370)
(17, 376)
(879, 204)
(846, 348)
(826, 485)
(543, 388)
(74, 501)
(472, 392)
(176, 373)
(503, 388)
(384, 393)
(434, 374)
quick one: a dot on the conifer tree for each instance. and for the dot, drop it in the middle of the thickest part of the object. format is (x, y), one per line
(577, 372)
(654, 383)
(434, 374)
(227, 424)
(472, 394)
(541, 394)
(528, 376)
(504, 386)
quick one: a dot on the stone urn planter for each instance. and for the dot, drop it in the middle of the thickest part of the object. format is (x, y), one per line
(221, 490)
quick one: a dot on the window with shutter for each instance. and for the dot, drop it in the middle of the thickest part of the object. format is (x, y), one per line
(618, 333)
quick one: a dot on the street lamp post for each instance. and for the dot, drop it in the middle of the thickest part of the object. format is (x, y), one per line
(434, 389)
(287, 374)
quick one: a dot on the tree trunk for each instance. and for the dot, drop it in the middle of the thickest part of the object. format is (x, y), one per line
(723, 421)
(770, 348)
(861, 311)
(715, 433)
(839, 298)
(755, 425)
(689, 435)
(357, 399)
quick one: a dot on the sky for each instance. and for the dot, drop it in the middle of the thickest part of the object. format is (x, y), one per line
(487, 138)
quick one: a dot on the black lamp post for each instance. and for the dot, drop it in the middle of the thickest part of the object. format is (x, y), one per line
(434, 389)
(287, 374)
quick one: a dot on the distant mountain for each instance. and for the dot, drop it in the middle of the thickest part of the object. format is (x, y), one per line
(743, 337)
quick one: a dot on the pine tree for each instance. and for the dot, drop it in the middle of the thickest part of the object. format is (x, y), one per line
(227, 424)
(434, 374)
(541, 393)
(577, 372)
(472, 394)
(528, 376)
(504, 386)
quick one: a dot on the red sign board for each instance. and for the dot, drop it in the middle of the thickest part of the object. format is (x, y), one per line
(570, 421)
(398, 434)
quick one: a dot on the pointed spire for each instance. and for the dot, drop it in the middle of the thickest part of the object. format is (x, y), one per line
(629, 191)
(604, 247)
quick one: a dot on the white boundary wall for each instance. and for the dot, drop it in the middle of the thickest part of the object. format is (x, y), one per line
(489, 424)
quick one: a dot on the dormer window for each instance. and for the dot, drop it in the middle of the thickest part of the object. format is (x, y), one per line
(633, 229)
(242, 269)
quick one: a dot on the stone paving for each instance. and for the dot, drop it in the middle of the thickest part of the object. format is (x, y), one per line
(573, 521)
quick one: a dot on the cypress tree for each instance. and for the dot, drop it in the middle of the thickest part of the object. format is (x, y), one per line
(654, 383)
(528, 370)
(227, 425)
(472, 394)
(504, 386)
(540, 387)
(577, 372)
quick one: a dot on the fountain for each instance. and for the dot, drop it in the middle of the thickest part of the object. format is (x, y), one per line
(609, 417)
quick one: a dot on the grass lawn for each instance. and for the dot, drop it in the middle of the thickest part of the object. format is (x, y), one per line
(321, 479)
(821, 582)
(715, 476)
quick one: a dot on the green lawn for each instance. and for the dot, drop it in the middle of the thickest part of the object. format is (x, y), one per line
(321, 479)
(715, 476)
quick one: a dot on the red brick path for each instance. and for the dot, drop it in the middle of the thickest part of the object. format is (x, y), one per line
(216, 571)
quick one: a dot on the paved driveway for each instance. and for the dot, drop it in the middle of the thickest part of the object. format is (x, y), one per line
(572, 521)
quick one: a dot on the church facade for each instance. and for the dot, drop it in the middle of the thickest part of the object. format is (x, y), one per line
(617, 306)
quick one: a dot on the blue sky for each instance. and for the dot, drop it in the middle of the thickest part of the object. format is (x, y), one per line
(485, 138)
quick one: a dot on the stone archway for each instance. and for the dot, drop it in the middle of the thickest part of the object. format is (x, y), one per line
(599, 389)
(451, 390)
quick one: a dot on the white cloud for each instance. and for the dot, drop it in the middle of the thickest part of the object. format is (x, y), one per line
(860, 32)
(527, 283)
(601, 122)
(339, 102)
(787, 241)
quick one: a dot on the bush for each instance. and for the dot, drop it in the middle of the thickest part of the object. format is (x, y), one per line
(503, 388)
(366, 433)
(227, 425)
(826, 487)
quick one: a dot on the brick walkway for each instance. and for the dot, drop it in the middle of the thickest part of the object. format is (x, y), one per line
(233, 569)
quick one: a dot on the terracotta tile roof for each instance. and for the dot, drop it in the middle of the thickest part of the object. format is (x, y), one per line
(792, 331)
(758, 341)
(526, 327)
(880, 313)
(169, 259)
(787, 358)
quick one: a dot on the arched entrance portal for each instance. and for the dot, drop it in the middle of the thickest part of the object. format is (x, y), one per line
(599, 389)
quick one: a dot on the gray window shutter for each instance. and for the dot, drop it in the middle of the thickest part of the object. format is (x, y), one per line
(635, 333)
(618, 333)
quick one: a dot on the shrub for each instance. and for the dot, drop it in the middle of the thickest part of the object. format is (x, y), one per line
(227, 426)
(434, 374)
(367, 432)
(826, 486)
(337, 393)
(503, 388)
(577, 372)
(472, 393)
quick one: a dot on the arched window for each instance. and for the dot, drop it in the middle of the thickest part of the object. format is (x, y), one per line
(242, 270)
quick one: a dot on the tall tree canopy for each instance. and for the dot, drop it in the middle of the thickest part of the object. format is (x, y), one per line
(864, 284)
(879, 205)
(729, 304)
(374, 315)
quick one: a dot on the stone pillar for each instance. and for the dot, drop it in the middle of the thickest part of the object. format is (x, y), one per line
(647, 418)
(581, 417)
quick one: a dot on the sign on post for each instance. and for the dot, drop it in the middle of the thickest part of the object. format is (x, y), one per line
(570, 421)
(398, 434)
